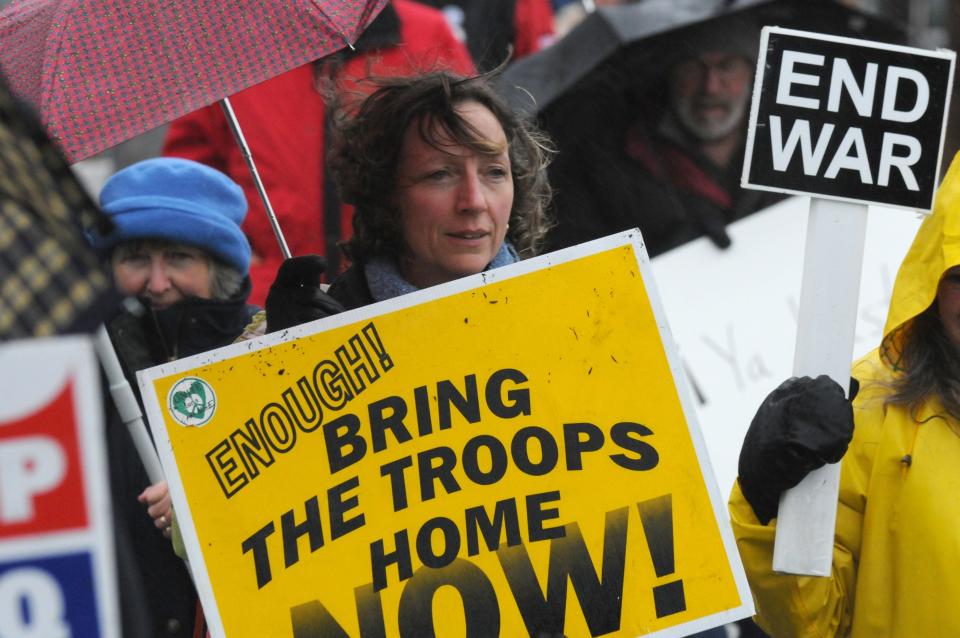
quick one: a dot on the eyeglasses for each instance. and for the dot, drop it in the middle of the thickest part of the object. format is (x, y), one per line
(726, 68)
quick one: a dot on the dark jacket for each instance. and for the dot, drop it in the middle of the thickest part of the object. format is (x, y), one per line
(654, 182)
(351, 288)
(143, 338)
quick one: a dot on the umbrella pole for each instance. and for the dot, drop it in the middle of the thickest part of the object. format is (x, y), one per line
(248, 158)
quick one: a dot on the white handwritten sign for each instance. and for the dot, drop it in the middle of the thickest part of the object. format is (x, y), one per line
(733, 312)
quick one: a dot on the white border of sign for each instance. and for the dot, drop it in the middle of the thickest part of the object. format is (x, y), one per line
(755, 106)
(26, 366)
(718, 501)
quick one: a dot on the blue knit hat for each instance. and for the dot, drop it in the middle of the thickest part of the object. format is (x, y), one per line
(177, 200)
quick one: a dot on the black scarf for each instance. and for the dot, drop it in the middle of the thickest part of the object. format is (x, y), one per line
(144, 336)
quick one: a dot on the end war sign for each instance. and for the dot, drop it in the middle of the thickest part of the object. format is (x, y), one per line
(847, 119)
(503, 455)
(56, 549)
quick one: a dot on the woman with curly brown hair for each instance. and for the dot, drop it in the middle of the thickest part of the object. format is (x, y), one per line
(446, 182)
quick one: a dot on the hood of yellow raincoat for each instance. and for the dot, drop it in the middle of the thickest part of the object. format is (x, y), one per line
(935, 249)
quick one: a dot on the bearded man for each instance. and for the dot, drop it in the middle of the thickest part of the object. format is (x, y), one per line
(672, 165)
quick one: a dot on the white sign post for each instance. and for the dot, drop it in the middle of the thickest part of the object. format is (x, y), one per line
(849, 122)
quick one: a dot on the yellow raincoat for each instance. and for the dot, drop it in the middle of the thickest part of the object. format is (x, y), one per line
(896, 556)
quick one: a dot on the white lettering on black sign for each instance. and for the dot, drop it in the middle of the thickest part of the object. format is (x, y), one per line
(848, 119)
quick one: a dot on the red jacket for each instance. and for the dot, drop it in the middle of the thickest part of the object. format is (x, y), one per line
(533, 21)
(283, 123)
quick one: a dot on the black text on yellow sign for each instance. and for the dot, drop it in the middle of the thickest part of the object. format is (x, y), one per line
(483, 460)
(600, 596)
(507, 459)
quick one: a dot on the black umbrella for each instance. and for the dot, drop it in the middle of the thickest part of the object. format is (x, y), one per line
(51, 281)
(623, 47)
(601, 93)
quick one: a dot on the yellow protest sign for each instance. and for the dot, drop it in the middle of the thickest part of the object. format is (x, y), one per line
(504, 455)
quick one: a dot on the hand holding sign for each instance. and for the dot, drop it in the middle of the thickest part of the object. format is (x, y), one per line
(890, 103)
(801, 426)
(296, 296)
(156, 498)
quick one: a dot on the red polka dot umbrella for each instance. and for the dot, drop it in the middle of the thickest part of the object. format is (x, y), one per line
(99, 72)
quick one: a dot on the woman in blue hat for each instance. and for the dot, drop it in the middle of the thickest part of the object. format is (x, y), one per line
(178, 249)
(177, 252)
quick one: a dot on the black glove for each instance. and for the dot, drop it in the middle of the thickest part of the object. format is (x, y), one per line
(802, 425)
(295, 296)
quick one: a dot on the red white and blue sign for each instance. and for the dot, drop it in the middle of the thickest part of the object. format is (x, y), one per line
(57, 574)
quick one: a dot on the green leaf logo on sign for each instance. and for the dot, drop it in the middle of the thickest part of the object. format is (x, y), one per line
(192, 401)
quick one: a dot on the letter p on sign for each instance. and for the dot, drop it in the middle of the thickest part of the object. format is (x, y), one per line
(41, 476)
(28, 467)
